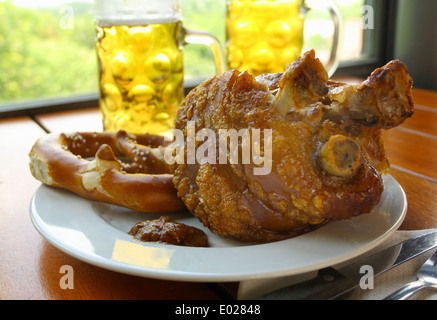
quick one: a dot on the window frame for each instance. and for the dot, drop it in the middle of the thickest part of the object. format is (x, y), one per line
(378, 42)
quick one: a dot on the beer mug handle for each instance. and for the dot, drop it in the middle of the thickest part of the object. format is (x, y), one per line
(306, 5)
(205, 38)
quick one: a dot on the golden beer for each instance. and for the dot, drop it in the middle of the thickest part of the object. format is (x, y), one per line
(140, 76)
(263, 36)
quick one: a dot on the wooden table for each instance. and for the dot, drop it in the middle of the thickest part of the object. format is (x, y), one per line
(30, 266)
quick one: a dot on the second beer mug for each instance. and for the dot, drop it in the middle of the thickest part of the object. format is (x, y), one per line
(263, 36)
(140, 60)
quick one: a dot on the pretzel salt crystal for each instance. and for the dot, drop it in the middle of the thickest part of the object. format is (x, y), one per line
(143, 183)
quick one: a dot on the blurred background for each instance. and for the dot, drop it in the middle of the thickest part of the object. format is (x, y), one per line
(47, 48)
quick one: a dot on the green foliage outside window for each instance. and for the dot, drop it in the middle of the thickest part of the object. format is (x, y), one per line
(41, 58)
(48, 52)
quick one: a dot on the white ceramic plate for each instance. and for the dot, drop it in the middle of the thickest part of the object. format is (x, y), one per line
(97, 233)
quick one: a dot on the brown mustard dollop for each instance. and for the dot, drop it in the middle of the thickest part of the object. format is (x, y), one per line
(167, 230)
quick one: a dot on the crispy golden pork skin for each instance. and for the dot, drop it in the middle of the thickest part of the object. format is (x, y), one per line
(326, 148)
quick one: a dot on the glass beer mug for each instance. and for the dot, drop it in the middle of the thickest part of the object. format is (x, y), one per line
(140, 63)
(263, 36)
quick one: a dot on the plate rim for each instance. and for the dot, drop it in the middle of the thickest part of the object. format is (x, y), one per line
(178, 275)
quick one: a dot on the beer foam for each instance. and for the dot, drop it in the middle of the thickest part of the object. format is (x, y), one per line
(134, 21)
(136, 12)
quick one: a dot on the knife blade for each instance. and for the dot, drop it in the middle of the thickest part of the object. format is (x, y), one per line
(333, 283)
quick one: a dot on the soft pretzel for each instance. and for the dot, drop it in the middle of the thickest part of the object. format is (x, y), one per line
(126, 170)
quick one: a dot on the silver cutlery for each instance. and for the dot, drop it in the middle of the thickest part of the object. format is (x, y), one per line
(426, 278)
(332, 283)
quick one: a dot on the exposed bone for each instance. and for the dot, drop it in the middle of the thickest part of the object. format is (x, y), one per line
(383, 101)
(302, 84)
(340, 156)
